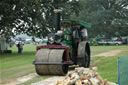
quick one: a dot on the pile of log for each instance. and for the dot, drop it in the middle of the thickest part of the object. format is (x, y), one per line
(83, 76)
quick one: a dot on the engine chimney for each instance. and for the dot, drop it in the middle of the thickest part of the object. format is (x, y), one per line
(57, 15)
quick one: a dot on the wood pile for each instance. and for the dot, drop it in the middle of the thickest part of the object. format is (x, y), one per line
(83, 76)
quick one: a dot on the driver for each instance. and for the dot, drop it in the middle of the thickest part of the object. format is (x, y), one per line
(84, 33)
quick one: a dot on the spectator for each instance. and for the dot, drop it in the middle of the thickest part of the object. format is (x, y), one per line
(127, 41)
(20, 47)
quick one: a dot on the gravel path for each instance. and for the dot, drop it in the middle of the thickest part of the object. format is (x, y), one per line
(22, 79)
(49, 81)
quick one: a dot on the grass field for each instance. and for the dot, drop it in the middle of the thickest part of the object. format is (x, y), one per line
(17, 65)
(107, 67)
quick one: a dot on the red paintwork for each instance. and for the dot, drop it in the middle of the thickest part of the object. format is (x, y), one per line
(68, 62)
(55, 47)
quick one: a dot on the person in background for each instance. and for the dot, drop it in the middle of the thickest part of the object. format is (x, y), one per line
(127, 41)
(84, 33)
(20, 47)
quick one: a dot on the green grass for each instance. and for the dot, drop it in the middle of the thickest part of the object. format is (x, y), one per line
(100, 49)
(17, 65)
(36, 79)
(107, 67)
(26, 48)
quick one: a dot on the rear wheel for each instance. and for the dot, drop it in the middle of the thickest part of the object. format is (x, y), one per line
(84, 55)
(85, 61)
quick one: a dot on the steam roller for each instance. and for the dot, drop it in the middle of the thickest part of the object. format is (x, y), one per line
(67, 45)
(55, 68)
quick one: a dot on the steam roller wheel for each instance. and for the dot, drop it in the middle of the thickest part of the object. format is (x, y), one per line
(51, 55)
(84, 60)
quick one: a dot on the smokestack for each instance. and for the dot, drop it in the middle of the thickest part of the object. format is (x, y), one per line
(57, 15)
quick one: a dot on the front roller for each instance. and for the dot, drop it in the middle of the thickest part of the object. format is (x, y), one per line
(83, 54)
(50, 62)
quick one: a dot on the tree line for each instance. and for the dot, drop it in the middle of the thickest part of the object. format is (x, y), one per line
(108, 18)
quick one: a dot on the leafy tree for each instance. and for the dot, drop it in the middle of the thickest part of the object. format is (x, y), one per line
(108, 17)
(33, 17)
